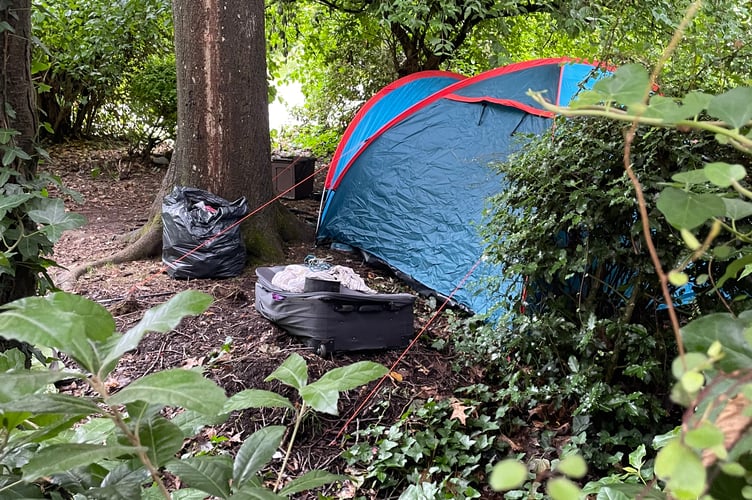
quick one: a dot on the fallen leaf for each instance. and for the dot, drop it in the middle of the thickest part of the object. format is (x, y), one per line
(349, 490)
(458, 411)
(733, 423)
(189, 363)
(396, 376)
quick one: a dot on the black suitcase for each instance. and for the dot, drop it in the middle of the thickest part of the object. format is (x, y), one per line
(328, 321)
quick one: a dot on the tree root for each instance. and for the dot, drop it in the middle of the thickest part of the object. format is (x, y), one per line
(148, 244)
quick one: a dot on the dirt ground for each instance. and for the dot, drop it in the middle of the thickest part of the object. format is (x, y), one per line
(118, 194)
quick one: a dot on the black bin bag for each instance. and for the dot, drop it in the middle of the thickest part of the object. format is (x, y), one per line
(197, 238)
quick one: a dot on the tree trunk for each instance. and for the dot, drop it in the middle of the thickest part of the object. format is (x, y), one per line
(222, 143)
(17, 113)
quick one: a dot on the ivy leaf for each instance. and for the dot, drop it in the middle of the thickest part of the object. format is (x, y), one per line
(210, 474)
(627, 85)
(637, 457)
(9, 202)
(724, 174)
(181, 388)
(733, 107)
(293, 372)
(734, 269)
(13, 152)
(55, 219)
(255, 453)
(6, 134)
(687, 210)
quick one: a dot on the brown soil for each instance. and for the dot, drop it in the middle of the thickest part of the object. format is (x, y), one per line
(118, 193)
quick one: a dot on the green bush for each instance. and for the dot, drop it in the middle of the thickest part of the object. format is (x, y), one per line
(594, 341)
(153, 98)
(86, 53)
(708, 456)
(31, 222)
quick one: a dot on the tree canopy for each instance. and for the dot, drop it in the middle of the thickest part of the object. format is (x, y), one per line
(343, 52)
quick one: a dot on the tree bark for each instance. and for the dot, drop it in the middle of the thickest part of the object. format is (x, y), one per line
(16, 92)
(18, 113)
(222, 143)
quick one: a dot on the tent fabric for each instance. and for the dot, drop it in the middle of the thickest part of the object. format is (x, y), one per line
(385, 106)
(410, 185)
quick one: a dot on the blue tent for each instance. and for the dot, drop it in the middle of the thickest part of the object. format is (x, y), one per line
(409, 180)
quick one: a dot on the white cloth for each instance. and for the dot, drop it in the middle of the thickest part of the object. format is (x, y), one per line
(292, 278)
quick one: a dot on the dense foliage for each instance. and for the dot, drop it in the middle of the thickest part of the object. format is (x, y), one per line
(595, 341)
(88, 51)
(153, 104)
(438, 449)
(106, 445)
(708, 454)
(344, 55)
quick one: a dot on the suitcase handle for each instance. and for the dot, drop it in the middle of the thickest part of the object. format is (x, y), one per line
(371, 308)
(346, 308)
(365, 308)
